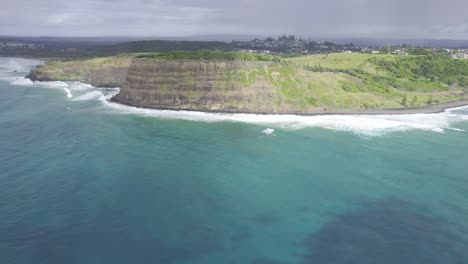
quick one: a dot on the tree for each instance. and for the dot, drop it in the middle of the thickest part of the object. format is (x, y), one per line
(282, 38)
(312, 45)
(404, 100)
(429, 101)
(414, 101)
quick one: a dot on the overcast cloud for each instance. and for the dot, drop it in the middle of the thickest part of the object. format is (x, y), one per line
(309, 18)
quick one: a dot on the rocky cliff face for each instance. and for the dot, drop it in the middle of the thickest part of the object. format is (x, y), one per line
(203, 85)
(227, 86)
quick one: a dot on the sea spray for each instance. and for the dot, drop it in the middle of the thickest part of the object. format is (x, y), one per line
(268, 131)
(68, 92)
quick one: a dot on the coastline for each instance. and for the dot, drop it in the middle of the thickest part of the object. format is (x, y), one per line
(429, 109)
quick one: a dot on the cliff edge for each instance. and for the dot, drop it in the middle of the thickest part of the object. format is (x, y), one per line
(251, 83)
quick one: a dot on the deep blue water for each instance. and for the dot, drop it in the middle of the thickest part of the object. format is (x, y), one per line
(85, 182)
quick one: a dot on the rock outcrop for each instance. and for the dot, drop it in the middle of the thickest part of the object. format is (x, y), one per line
(202, 85)
(225, 86)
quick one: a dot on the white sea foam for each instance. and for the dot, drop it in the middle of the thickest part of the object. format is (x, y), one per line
(68, 92)
(360, 124)
(107, 94)
(27, 82)
(89, 96)
(56, 84)
(268, 131)
(78, 86)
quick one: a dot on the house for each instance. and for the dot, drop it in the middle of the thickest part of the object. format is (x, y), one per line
(375, 52)
(460, 56)
(14, 44)
(400, 52)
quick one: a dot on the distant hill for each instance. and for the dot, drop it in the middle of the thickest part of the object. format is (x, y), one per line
(159, 46)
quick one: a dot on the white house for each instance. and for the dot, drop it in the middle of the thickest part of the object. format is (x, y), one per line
(460, 56)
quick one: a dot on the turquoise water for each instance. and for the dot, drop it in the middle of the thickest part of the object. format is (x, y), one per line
(84, 181)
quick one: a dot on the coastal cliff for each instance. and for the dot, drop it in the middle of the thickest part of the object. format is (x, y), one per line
(205, 85)
(229, 82)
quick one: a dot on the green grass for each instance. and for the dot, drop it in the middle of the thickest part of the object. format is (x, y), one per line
(337, 60)
(210, 55)
(380, 80)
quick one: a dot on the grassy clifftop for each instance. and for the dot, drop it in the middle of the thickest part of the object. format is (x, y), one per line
(105, 71)
(242, 82)
(210, 55)
(401, 81)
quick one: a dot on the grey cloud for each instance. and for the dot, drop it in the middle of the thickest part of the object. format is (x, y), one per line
(334, 18)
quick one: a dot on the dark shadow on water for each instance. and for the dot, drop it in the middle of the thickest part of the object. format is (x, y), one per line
(266, 219)
(265, 261)
(106, 240)
(241, 236)
(385, 232)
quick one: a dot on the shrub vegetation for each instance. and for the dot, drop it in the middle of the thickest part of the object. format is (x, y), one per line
(210, 55)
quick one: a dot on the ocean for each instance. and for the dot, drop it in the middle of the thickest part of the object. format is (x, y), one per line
(83, 180)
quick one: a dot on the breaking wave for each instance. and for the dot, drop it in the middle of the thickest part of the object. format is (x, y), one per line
(268, 131)
(78, 86)
(68, 92)
(89, 96)
(360, 124)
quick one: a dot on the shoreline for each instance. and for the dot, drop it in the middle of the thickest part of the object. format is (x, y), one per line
(429, 109)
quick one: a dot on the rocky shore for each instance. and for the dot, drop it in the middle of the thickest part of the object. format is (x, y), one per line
(210, 86)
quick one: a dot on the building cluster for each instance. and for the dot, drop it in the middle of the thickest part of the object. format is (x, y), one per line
(293, 45)
(453, 53)
(12, 44)
(460, 54)
(401, 52)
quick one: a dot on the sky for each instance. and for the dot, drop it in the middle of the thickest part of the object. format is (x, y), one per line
(446, 19)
